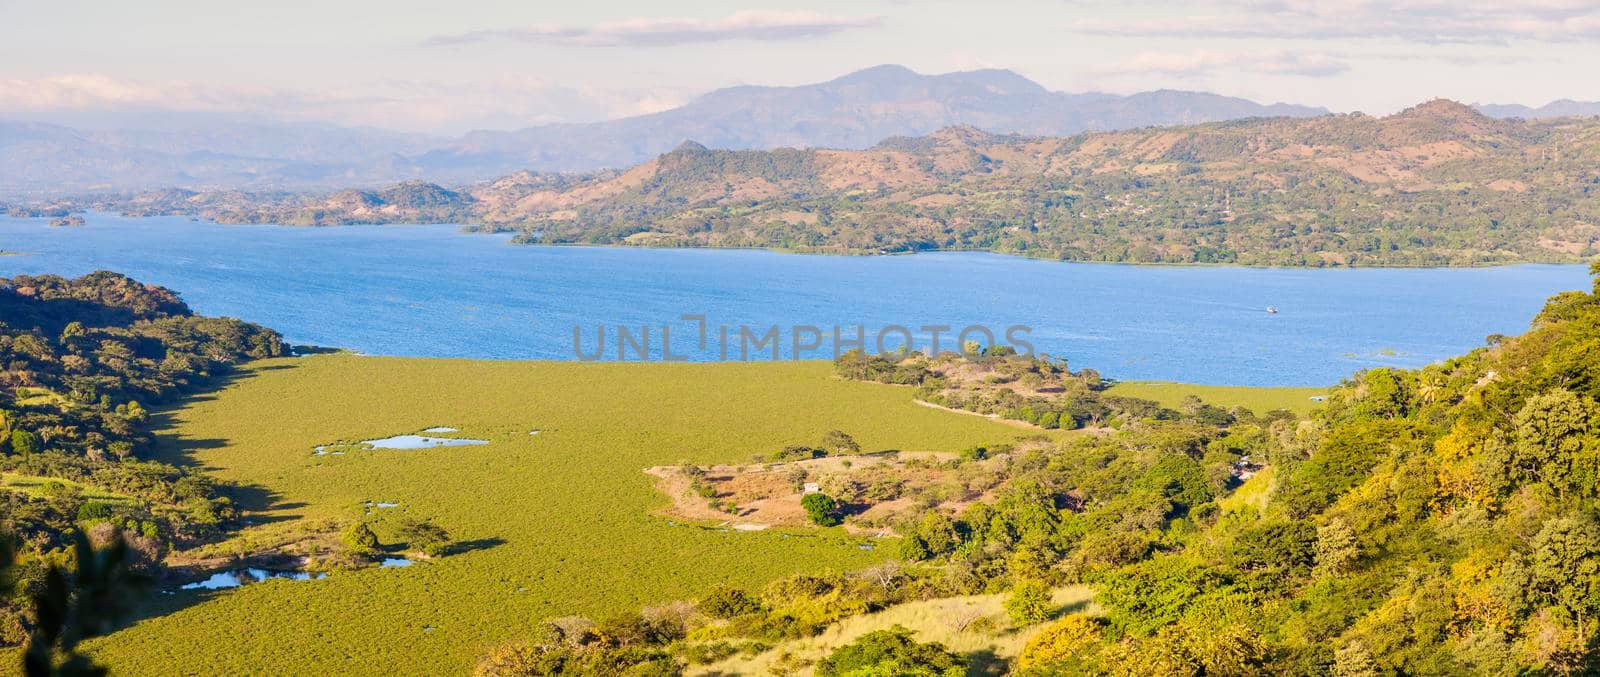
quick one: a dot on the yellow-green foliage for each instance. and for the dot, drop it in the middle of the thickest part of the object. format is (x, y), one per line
(562, 520)
(1252, 494)
(36, 397)
(974, 624)
(34, 485)
(1257, 399)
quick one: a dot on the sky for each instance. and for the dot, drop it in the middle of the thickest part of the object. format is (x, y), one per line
(445, 68)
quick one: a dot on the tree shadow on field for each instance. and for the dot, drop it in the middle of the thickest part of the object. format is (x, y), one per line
(463, 547)
(170, 445)
(985, 662)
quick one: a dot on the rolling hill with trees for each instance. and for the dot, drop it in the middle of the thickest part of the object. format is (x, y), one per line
(1444, 520)
(1437, 184)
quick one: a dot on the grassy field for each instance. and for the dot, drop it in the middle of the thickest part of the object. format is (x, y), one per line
(1258, 400)
(975, 626)
(40, 486)
(557, 523)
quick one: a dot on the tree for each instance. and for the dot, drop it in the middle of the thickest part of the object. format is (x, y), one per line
(1029, 603)
(360, 540)
(1566, 563)
(424, 535)
(24, 443)
(838, 442)
(1354, 660)
(1337, 547)
(822, 510)
(1551, 429)
(891, 652)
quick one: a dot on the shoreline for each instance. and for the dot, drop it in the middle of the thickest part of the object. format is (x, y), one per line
(474, 229)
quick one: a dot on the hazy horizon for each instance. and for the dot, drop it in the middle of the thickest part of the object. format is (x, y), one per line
(408, 66)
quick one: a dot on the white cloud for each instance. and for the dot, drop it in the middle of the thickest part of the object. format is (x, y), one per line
(507, 101)
(657, 32)
(1204, 63)
(1426, 21)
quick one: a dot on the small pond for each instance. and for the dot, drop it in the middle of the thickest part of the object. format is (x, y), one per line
(238, 577)
(420, 442)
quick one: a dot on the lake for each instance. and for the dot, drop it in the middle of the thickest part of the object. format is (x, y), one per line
(434, 291)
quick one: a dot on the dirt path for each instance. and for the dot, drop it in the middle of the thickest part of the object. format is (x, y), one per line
(993, 417)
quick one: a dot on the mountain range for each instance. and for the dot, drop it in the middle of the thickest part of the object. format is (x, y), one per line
(852, 112)
(1564, 108)
(1437, 184)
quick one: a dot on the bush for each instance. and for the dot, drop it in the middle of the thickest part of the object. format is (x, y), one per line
(24, 443)
(892, 652)
(728, 602)
(94, 511)
(1068, 638)
(822, 510)
(799, 452)
(360, 540)
(425, 536)
(1029, 603)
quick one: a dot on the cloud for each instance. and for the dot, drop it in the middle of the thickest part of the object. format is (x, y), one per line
(1203, 63)
(506, 101)
(1425, 21)
(650, 32)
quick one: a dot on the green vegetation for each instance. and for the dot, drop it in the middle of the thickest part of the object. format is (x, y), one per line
(822, 510)
(1175, 395)
(528, 540)
(1043, 392)
(82, 358)
(970, 625)
(1436, 521)
(891, 652)
(50, 487)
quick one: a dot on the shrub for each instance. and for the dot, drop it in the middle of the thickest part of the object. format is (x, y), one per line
(799, 452)
(822, 510)
(426, 536)
(360, 540)
(892, 652)
(728, 602)
(1068, 638)
(24, 443)
(1029, 603)
(94, 511)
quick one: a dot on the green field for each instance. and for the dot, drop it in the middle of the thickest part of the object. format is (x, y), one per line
(1258, 400)
(560, 520)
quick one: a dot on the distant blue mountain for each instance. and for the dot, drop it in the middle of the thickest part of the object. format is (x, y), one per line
(151, 150)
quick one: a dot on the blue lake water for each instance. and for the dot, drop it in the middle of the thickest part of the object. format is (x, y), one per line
(433, 291)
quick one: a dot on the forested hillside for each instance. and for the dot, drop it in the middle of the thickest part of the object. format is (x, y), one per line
(1438, 184)
(83, 359)
(1436, 521)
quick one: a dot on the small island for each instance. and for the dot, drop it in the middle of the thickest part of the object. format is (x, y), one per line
(65, 221)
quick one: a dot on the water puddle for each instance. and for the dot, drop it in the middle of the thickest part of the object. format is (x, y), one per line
(397, 442)
(440, 429)
(392, 562)
(236, 578)
(420, 442)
